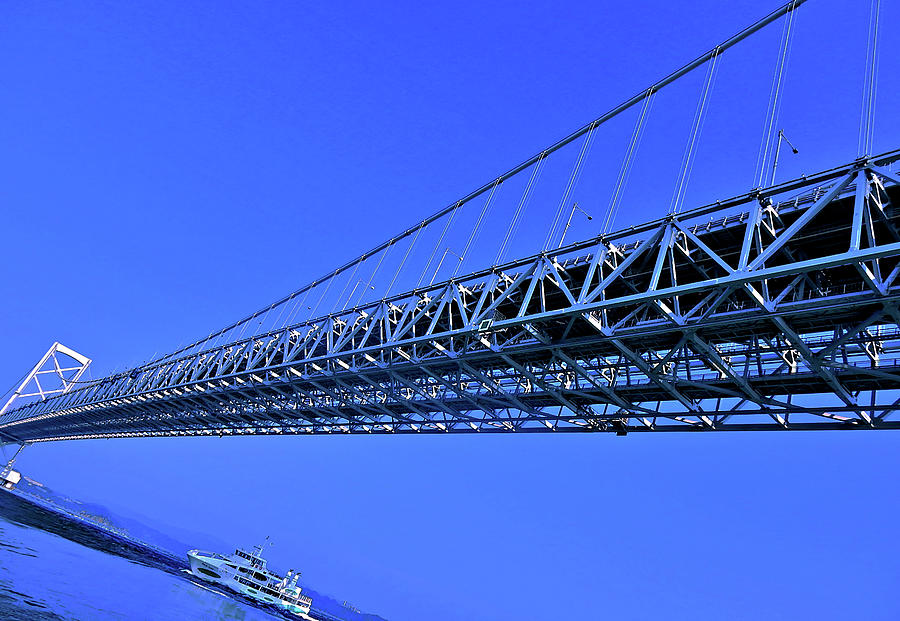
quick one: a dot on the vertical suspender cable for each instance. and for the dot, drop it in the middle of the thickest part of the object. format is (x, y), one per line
(690, 150)
(772, 112)
(341, 297)
(520, 209)
(437, 246)
(867, 114)
(412, 245)
(277, 323)
(474, 234)
(625, 168)
(297, 306)
(319, 301)
(570, 187)
(372, 277)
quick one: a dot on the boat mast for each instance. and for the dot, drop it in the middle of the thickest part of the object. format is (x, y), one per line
(258, 550)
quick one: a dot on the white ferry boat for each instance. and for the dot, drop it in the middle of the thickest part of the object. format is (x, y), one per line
(246, 573)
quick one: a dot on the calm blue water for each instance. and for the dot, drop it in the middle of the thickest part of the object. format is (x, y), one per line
(46, 576)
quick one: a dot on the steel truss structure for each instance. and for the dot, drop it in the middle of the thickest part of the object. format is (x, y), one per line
(774, 310)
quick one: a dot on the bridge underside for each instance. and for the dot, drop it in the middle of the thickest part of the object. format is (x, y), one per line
(775, 310)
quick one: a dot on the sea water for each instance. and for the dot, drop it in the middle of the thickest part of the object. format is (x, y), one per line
(46, 576)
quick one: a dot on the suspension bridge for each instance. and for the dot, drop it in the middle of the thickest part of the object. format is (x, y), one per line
(776, 309)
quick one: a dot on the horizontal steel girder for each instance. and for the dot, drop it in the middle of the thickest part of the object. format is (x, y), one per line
(761, 312)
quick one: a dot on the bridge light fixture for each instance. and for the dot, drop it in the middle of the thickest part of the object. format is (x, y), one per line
(575, 208)
(794, 150)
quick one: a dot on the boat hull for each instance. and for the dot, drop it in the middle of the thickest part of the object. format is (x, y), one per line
(216, 569)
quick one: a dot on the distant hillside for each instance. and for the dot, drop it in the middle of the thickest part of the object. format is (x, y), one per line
(134, 528)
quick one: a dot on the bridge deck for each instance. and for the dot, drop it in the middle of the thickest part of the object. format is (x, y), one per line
(774, 310)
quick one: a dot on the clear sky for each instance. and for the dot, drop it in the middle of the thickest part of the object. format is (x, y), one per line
(167, 167)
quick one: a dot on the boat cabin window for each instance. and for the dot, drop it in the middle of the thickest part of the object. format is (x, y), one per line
(207, 572)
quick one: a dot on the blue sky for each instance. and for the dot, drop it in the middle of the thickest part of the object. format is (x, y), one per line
(167, 168)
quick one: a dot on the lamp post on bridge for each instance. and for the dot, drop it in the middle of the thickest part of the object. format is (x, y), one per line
(781, 137)
(575, 208)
